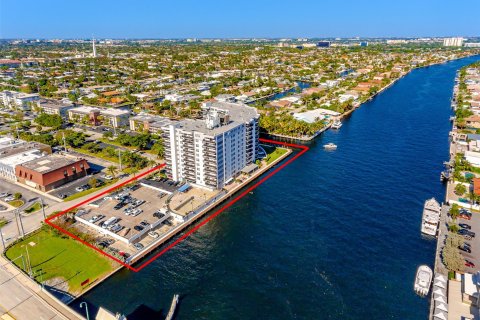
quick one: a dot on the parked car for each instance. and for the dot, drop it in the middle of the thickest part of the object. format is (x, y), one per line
(465, 216)
(469, 264)
(119, 205)
(106, 177)
(144, 223)
(138, 246)
(136, 212)
(138, 228)
(116, 227)
(79, 189)
(466, 232)
(153, 234)
(96, 218)
(9, 198)
(4, 194)
(465, 226)
(465, 249)
(62, 196)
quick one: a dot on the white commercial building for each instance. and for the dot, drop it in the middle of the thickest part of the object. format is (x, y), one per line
(8, 164)
(453, 42)
(18, 100)
(211, 152)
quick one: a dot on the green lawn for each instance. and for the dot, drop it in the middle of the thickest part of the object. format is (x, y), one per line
(273, 153)
(16, 203)
(56, 256)
(2, 222)
(33, 208)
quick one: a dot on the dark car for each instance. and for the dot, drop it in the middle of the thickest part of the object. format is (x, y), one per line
(465, 226)
(465, 232)
(144, 223)
(119, 205)
(138, 228)
(465, 248)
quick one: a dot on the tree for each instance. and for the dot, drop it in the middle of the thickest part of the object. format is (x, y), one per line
(112, 170)
(460, 189)
(93, 182)
(451, 257)
(17, 195)
(454, 211)
(108, 134)
(49, 120)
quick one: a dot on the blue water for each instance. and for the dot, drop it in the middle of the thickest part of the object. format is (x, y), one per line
(335, 235)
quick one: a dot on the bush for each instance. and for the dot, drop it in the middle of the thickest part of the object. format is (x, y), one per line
(17, 195)
(460, 189)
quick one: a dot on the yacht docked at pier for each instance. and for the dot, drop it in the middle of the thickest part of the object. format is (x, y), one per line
(431, 217)
(423, 280)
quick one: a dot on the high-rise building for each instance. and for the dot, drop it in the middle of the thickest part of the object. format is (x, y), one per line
(212, 151)
(453, 42)
(94, 53)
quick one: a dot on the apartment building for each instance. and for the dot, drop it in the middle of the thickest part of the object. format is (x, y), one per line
(453, 42)
(18, 100)
(212, 151)
(115, 118)
(58, 107)
(85, 115)
(95, 116)
(144, 122)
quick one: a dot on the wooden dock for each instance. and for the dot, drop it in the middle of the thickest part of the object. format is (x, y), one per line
(173, 308)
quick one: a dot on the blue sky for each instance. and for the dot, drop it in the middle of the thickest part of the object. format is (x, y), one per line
(230, 19)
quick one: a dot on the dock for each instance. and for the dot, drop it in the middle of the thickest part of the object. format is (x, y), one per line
(173, 308)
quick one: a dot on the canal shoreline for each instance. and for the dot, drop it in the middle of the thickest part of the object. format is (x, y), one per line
(359, 104)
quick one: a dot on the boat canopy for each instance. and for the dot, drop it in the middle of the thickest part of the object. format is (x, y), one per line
(440, 315)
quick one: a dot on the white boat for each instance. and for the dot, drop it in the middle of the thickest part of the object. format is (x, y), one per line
(423, 280)
(330, 146)
(431, 217)
(336, 125)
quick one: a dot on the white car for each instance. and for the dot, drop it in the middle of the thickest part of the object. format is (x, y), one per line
(4, 194)
(106, 177)
(153, 234)
(8, 199)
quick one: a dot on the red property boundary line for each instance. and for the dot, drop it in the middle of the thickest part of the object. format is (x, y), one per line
(302, 148)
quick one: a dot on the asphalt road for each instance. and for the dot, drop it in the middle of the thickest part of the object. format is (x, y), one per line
(19, 302)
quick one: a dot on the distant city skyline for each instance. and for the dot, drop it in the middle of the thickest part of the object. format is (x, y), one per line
(244, 19)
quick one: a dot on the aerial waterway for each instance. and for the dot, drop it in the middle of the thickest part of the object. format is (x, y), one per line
(335, 235)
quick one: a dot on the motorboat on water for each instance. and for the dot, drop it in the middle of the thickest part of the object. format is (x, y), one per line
(423, 280)
(330, 146)
(336, 125)
(430, 217)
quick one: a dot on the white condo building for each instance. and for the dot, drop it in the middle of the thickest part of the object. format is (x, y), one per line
(212, 151)
(18, 100)
(453, 42)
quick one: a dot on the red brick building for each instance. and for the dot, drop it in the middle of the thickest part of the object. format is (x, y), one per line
(50, 172)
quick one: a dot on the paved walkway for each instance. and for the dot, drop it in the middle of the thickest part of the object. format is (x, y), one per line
(22, 299)
(456, 308)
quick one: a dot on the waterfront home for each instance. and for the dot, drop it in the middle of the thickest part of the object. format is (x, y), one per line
(473, 122)
(473, 158)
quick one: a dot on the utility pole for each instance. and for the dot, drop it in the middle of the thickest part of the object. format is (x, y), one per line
(1, 237)
(21, 224)
(29, 262)
(64, 143)
(120, 159)
(43, 208)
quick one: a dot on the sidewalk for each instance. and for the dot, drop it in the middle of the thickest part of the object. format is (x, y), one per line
(23, 299)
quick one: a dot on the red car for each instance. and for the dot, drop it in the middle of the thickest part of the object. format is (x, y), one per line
(469, 264)
(465, 216)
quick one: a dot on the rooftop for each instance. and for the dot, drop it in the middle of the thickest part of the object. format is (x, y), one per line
(114, 112)
(49, 163)
(20, 158)
(85, 109)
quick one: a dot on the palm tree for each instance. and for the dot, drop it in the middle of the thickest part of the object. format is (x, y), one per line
(112, 170)
(134, 171)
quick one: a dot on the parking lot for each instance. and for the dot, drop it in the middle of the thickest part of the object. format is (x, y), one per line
(127, 230)
(474, 243)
